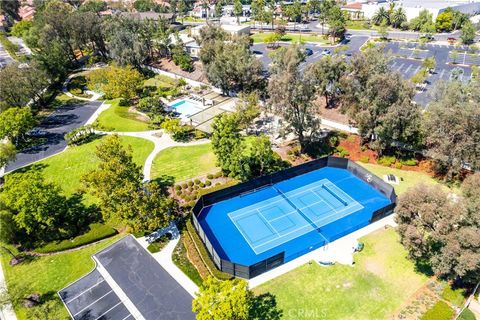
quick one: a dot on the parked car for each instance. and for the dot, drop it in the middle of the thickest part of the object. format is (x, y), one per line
(308, 51)
(326, 52)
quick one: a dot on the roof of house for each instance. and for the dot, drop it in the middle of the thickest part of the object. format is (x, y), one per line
(353, 6)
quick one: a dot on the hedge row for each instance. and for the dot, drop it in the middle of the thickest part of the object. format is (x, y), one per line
(97, 232)
(205, 255)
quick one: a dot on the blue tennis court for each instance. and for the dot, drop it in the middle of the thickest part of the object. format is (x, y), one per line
(293, 216)
(271, 222)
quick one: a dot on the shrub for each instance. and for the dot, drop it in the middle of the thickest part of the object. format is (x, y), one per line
(159, 243)
(218, 174)
(202, 185)
(208, 183)
(209, 176)
(204, 254)
(198, 135)
(181, 259)
(197, 181)
(178, 187)
(184, 186)
(97, 232)
(364, 159)
(398, 165)
(342, 152)
(386, 161)
(409, 162)
(179, 193)
(190, 183)
(440, 310)
(80, 135)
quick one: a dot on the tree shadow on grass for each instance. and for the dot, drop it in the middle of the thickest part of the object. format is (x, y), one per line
(264, 307)
(424, 267)
(164, 181)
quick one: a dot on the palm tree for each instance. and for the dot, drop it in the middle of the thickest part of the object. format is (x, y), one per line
(398, 17)
(380, 16)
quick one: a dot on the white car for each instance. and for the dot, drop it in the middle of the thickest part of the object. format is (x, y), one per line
(326, 52)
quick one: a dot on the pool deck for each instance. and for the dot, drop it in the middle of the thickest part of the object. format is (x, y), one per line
(339, 251)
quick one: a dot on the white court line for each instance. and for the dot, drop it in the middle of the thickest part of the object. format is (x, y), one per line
(268, 222)
(416, 70)
(81, 293)
(306, 226)
(393, 64)
(399, 68)
(106, 294)
(109, 310)
(409, 66)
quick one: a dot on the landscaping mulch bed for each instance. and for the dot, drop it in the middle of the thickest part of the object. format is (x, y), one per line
(167, 65)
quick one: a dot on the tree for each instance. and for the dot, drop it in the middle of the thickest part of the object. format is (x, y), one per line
(380, 16)
(115, 82)
(10, 8)
(468, 33)
(336, 22)
(292, 93)
(293, 12)
(325, 7)
(442, 232)
(39, 211)
(258, 10)
(379, 101)
(182, 9)
(219, 9)
(383, 31)
(231, 66)
(7, 152)
(226, 140)
(429, 64)
(222, 300)
(247, 109)
(21, 28)
(180, 56)
(398, 17)
(423, 22)
(22, 84)
(419, 77)
(123, 198)
(451, 129)
(15, 123)
(237, 10)
(328, 72)
(444, 21)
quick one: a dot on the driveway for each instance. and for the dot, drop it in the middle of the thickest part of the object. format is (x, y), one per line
(53, 128)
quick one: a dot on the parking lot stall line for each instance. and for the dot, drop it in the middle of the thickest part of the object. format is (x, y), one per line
(118, 291)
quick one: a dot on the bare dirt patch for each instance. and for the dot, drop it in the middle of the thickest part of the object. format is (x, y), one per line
(197, 74)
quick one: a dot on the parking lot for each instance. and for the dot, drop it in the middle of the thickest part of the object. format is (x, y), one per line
(352, 47)
(127, 283)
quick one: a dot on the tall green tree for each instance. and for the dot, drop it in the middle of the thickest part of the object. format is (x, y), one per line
(328, 72)
(226, 141)
(380, 16)
(123, 197)
(292, 93)
(468, 33)
(222, 300)
(7, 152)
(325, 7)
(337, 22)
(116, 82)
(38, 210)
(442, 232)
(398, 17)
(423, 22)
(22, 84)
(451, 129)
(237, 10)
(15, 123)
(444, 21)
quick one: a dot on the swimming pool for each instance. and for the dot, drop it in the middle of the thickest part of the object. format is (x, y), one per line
(258, 225)
(186, 107)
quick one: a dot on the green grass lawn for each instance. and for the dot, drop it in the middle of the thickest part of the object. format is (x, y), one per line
(381, 279)
(290, 37)
(185, 162)
(118, 118)
(410, 178)
(47, 275)
(66, 168)
(161, 81)
(357, 25)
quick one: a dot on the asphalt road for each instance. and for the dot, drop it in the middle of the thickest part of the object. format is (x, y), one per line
(53, 128)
